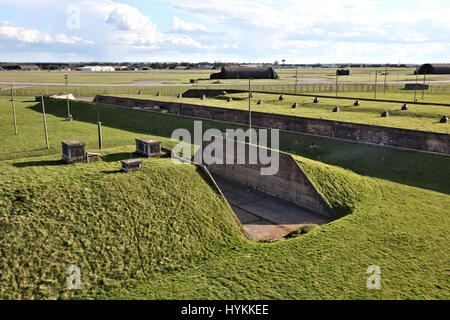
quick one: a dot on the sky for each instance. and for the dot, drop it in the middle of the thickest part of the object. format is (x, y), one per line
(297, 31)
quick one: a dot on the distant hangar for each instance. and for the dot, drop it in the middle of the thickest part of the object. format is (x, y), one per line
(235, 72)
(429, 68)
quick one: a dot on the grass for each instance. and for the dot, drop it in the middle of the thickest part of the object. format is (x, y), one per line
(356, 74)
(418, 117)
(121, 77)
(172, 82)
(164, 233)
(399, 228)
(114, 226)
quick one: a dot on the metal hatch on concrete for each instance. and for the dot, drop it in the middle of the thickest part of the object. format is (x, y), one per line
(264, 216)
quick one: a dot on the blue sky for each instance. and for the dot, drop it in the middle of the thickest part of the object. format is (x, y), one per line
(299, 31)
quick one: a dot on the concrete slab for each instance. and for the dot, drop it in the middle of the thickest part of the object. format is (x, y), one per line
(244, 216)
(264, 216)
(282, 212)
(240, 196)
(261, 230)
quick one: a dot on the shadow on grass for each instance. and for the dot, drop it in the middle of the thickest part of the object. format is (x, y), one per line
(120, 156)
(38, 163)
(112, 171)
(22, 151)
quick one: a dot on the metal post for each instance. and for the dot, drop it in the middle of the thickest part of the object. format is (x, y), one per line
(415, 86)
(423, 87)
(100, 142)
(376, 78)
(45, 120)
(69, 116)
(250, 110)
(385, 76)
(14, 111)
(296, 81)
(337, 81)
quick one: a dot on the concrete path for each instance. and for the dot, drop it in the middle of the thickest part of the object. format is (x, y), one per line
(85, 99)
(263, 216)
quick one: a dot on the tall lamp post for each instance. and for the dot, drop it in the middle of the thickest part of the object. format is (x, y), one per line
(250, 109)
(69, 116)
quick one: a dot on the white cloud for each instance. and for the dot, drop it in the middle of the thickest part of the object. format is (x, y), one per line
(187, 42)
(180, 26)
(21, 34)
(132, 26)
(11, 32)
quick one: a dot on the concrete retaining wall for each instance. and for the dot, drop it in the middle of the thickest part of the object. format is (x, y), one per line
(386, 136)
(290, 183)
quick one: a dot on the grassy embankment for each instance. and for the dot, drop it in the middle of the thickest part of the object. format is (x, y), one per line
(418, 117)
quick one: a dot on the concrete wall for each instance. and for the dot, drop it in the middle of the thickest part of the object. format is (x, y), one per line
(386, 136)
(290, 183)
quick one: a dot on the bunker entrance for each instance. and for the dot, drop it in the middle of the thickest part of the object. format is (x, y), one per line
(269, 204)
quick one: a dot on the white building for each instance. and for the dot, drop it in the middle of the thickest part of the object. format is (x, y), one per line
(96, 68)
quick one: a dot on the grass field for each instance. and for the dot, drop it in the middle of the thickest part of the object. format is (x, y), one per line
(356, 74)
(202, 76)
(102, 77)
(418, 117)
(360, 83)
(165, 233)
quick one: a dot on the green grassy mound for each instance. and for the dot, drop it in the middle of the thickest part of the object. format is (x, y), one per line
(114, 226)
(402, 229)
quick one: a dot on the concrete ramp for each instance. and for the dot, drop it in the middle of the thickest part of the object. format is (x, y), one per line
(268, 206)
(264, 216)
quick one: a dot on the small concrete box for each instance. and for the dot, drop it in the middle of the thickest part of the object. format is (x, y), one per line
(131, 165)
(148, 147)
(73, 151)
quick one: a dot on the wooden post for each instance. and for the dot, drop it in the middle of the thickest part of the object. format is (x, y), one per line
(45, 120)
(14, 111)
(100, 142)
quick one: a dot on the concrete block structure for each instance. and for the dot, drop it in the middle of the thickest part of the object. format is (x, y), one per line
(148, 147)
(73, 151)
(131, 165)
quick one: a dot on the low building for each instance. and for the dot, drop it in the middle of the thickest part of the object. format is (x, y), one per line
(232, 72)
(429, 68)
(416, 86)
(342, 72)
(148, 147)
(96, 68)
